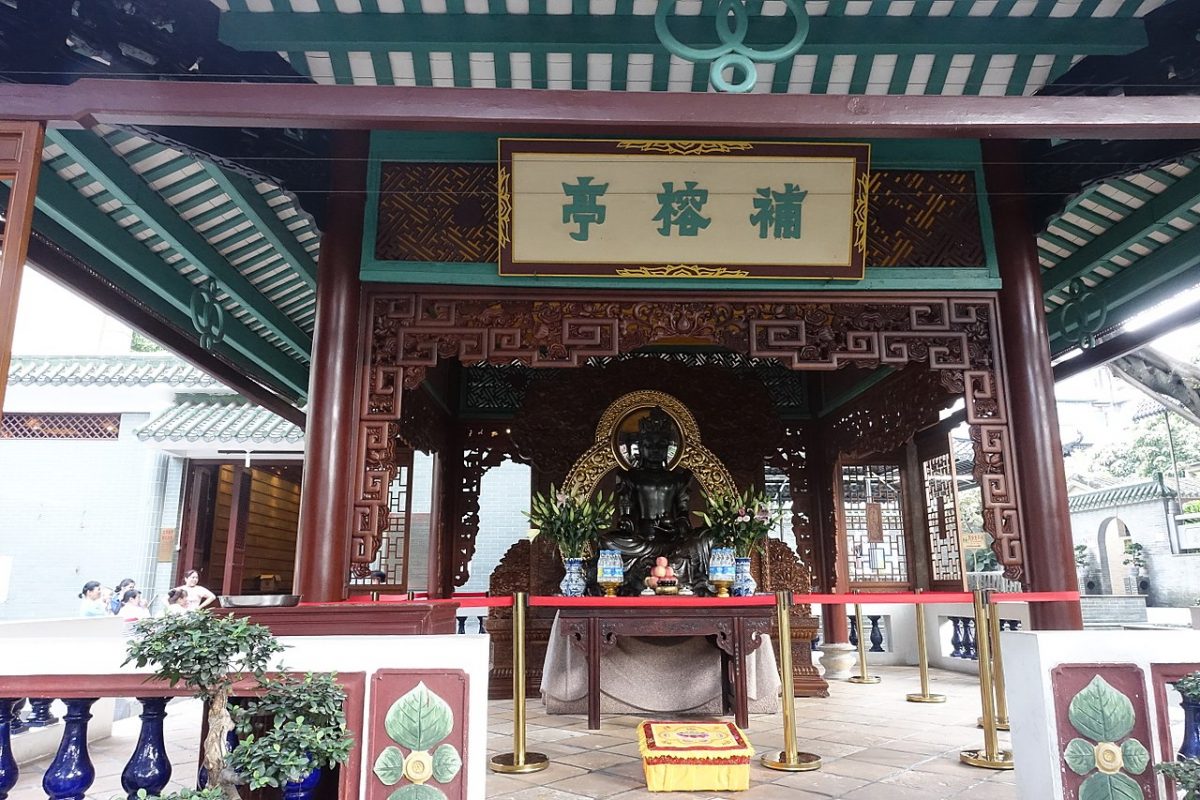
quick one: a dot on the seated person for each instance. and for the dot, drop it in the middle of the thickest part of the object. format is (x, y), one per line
(653, 512)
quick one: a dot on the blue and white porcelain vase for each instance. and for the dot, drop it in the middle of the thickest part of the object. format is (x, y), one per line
(744, 584)
(573, 583)
(1190, 746)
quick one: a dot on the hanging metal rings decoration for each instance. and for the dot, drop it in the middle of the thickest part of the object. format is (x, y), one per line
(732, 22)
(1083, 314)
(208, 317)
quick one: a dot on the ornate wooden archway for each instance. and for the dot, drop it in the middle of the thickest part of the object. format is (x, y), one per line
(956, 335)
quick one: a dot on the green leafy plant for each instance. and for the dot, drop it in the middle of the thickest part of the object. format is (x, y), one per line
(296, 726)
(571, 520)
(207, 654)
(1186, 775)
(1191, 507)
(184, 794)
(1106, 717)
(418, 721)
(741, 521)
(1189, 685)
(1135, 555)
(1081, 556)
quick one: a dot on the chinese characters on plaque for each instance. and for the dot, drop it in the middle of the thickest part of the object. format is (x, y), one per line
(689, 209)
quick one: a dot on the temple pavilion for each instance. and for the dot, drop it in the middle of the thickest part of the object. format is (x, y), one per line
(820, 235)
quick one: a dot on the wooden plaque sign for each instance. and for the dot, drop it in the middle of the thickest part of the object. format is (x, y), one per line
(646, 208)
(874, 522)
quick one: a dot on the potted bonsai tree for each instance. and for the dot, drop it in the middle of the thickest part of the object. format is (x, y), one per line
(295, 729)
(572, 521)
(1185, 773)
(301, 725)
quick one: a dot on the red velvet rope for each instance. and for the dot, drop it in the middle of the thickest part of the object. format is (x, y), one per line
(477, 600)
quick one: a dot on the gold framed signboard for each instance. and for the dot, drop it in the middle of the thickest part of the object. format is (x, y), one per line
(686, 209)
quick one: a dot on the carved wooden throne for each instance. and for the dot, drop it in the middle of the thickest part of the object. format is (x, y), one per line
(535, 567)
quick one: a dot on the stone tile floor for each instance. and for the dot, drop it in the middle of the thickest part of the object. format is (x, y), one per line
(873, 744)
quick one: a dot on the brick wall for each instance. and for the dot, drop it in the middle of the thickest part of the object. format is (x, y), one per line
(1174, 578)
(75, 511)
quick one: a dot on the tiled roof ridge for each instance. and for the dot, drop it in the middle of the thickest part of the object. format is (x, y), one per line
(126, 369)
(224, 418)
(1133, 493)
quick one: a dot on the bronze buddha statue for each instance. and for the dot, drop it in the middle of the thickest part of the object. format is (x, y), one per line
(653, 510)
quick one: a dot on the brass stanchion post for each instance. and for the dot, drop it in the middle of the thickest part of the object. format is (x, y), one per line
(862, 676)
(991, 756)
(923, 662)
(518, 761)
(997, 664)
(790, 759)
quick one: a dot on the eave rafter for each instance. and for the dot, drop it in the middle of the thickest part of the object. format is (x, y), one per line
(81, 228)
(96, 157)
(634, 33)
(1156, 212)
(242, 192)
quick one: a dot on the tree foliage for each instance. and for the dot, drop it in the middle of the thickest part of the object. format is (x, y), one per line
(1144, 449)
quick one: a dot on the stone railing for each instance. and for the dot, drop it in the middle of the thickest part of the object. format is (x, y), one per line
(375, 672)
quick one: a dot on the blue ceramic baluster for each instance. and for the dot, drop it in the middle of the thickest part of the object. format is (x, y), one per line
(876, 634)
(462, 624)
(956, 650)
(18, 725)
(1190, 746)
(969, 634)
(71, 773)
(303, 789)
(8, 763)
(148, 767)
(853, 630)
(40, 716)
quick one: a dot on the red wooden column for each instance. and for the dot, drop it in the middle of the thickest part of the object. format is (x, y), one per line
(1048, 548)
(20, 155)
(323, 539)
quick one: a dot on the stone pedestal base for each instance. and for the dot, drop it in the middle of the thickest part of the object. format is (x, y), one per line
(838, 660)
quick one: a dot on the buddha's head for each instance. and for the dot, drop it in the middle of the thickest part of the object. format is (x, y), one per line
(655, 436)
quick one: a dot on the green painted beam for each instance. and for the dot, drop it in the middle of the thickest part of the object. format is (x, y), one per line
(62, 204)
(94, 155)
(828, 35)
(1173, 201)
(1130, 290)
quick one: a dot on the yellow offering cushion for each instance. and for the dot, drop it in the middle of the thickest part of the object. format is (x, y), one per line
(694, 756)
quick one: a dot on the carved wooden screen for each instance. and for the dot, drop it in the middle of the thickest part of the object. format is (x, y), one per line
(941, 521)
(392, 559)
(873, 518)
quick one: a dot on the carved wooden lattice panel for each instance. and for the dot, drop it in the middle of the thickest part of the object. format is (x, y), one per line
(409, 330)
(390, 567)
(60, 426)
(941, 519)
(876, 546)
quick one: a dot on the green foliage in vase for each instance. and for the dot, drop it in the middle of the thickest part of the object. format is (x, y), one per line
(571, 520)
(183, 794)
(418, 721)
(1189, 686)
(1186, 775)
(209, 654)
(296, 726)
(741, 521)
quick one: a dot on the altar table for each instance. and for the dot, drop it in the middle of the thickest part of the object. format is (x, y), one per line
(738, 631)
